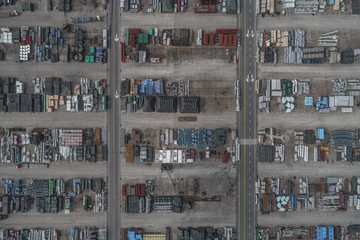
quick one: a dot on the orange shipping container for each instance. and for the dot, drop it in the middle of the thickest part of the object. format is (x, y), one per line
(130, 153)
(98, 137)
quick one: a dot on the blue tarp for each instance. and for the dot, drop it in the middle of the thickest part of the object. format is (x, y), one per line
(151, 87)
(331, 233)
(320, 133)
(309, 101)
(131, 235)
(321, 233)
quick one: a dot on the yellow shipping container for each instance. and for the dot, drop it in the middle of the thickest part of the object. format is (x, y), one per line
(154, 236)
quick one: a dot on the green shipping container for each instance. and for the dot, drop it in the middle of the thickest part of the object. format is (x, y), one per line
(122, 143)
(87, 58)
(140, 38)
(92, 59)
(92, 49)
(146, 38)
(150, 31)
(126, 36)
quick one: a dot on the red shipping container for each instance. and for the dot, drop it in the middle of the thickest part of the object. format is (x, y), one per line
(212, 39)
(226, 31)
(133, 40)
(221, 39)
(122, 52)
(206, 39)
(205, 10)
(225, 157)
(123, 190)
(134, 30)
(234, 39)
(226, 40)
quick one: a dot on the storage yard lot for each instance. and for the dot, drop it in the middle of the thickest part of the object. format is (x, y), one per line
(41, 21)
(178, 140)
(215, 93)
(288, 121)
(215, 90)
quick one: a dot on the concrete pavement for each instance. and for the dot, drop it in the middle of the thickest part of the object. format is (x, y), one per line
(310, 218)
(201, 216)
(161, 20)
(311, 71)
(311, 169)
(180, 70)
(318, 22)
(56, 170)
(212, 120)
(54, 120)
(58, 221)
(47, 69)
(295, 120)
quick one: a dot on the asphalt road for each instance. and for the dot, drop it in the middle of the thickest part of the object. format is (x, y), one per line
(113, 217)
(247, 126)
